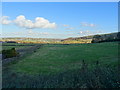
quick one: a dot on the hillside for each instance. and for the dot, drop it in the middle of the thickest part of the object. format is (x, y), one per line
(97, 38)
(31, 40)
(85, 39)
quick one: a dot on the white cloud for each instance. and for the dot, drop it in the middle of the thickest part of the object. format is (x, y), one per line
(23, 22)
(81, 32)
(43, 23)
(92, 25)
(88, 32)
(5, 20)
(30, 31)
(66, 25)
(84, 32)
(85, 24)
(70, 28)
(38, 23)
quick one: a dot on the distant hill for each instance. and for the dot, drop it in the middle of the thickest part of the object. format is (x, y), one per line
(86, 39)
(97, 38)
(31, 40)
(77, 38)
(106, 37)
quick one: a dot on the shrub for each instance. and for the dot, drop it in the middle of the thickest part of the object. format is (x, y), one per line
(9, 53)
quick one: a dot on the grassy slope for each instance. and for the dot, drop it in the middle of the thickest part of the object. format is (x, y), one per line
(58, 58)
(5, 47)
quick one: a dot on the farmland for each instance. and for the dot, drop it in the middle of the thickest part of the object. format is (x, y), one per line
(71, 44)
(14, 45)
(64, 65)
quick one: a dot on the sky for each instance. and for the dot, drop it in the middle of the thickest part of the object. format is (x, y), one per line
(60, 0)
(58, 19)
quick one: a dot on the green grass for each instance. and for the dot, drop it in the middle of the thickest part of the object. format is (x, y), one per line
(16, 46)
(61, 66)
(9, 47)
(58, 58)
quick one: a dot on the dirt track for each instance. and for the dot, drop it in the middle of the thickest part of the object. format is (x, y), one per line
(22, 53)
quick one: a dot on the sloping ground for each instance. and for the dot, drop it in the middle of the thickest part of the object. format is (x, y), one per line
(58, 58)
(62, 66)
(94, 38)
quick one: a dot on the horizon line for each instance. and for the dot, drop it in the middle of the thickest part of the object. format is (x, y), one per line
(61, 38)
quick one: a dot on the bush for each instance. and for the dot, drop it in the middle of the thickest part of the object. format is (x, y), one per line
(9, 53)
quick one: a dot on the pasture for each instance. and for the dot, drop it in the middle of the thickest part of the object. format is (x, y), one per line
(6, 46)
(58, 65)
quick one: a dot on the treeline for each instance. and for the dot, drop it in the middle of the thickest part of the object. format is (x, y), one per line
(106, 38)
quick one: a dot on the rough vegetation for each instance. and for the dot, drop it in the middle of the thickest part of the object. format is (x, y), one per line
(9, 53)
(99, 77)
(106, 38)
(66, 66)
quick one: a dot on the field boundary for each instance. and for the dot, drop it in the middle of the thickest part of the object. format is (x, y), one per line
(22, 53)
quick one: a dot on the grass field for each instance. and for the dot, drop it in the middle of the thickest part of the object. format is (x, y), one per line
(6, 46)
(14, 45)
(56, 58)
(51, 60)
